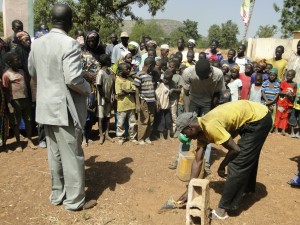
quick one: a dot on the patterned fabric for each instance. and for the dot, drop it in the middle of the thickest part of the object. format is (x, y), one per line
(144, 82)
(270, 93)
(297, 98)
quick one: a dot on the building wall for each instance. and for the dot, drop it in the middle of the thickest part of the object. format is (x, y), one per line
(23, 12)
(259, 48)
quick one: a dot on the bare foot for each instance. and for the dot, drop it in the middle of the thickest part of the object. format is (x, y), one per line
(19, 149)
(31, 145)
(101, 140)
(107, 137)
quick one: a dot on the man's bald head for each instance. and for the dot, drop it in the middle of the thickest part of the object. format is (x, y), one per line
(62, 17)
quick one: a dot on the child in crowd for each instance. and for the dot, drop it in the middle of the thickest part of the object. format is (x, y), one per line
(225, 69)
(255, 90)
(225, 95)
(268, 68)
(17, 98)
(105, 84)
(175, 90)
(217, 64)
(295, 115)
(285, 102)
(260, 68)
(145, 101)
(230, 58)
(179, 56)
(202, 55)
(163, 93)
(270, 92)
(180, 107)
(245, 77)
(235, 84)
(126, 57)
(125, 92)
(190, 58)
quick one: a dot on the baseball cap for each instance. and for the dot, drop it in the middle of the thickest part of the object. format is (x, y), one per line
(184, 120)
(124, 34)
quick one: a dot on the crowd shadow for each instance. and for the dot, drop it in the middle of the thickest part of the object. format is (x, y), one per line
(103, 175)
(247, 201)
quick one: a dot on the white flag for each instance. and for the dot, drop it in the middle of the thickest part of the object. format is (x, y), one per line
(245, 8)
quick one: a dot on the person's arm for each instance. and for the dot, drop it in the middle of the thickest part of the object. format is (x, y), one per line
(215, 99)
(239, 93)
(233, 151)
(137, 99)
(73, 72)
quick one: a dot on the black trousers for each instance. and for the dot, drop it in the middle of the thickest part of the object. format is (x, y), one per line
(242, 170)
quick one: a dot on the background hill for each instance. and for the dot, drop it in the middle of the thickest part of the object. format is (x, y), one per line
(167, 25)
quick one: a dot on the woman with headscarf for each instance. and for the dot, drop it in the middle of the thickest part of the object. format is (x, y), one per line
(126, 57)
(134, 48)
(212, 53)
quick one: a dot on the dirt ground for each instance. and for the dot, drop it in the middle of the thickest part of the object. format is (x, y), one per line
(131, 183)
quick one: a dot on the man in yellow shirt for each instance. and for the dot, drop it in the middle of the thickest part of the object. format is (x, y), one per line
(221, 125)
(278, 62)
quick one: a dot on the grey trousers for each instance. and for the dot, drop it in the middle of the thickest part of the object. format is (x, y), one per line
(66, 163)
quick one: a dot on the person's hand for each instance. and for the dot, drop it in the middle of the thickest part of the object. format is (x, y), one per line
(10, 108)
(221, 172)
(183, 197)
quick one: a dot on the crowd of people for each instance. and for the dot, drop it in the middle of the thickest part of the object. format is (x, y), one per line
(72, 83)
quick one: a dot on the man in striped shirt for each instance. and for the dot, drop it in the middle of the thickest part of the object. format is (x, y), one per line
(145, 101)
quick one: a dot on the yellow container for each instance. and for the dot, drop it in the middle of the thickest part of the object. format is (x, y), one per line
(184, 167)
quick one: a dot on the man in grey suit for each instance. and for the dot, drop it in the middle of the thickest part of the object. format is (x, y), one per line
(54, 64)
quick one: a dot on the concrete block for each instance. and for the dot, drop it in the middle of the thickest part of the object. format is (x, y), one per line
(198, 202)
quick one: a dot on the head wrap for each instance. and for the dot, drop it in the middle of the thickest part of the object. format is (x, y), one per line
(165, 46)
(22, 35)
(93, 34)
(263, 62)
(236, 67)
(274, 71)
(133, 45)
(124, 54)
(192, 41)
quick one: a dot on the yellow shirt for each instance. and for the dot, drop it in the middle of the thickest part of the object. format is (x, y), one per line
(124, 102)
(280, 65)
(223, 121)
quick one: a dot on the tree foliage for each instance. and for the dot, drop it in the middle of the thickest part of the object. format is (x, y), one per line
(290, 20)
(105, 15)
(266, 31)
(226, 34)
(187, 31)
(150, 28)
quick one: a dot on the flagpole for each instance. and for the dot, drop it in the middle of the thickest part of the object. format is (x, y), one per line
(247, 24)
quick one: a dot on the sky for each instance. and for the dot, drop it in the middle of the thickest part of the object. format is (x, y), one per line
(207, 13)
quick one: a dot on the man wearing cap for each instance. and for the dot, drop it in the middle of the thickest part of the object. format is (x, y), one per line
(221, 125)
(202, 83)
(121, 47)
(114, 41)
(164, 51)
(190, 45)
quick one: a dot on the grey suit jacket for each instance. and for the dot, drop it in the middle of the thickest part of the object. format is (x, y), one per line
(54, 63)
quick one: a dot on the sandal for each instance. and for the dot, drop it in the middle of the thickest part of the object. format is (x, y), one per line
(213, 215)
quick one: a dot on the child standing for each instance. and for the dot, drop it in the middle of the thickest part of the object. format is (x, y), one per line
(270, 92)
(17, 98)
(295, 115)
(285, 102)
(163, 93)
(189, 59)
(235, 84)
(125, 92)
(105, 84)
(255, 90)
(145, 101)
(245, 77)
(225, 95)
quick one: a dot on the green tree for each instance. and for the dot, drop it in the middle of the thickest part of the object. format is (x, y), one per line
(225, 34)
(266, 31)
(214, 33)
(105, 15)
(187, 31)
(150, 28)
(290, 20)
(229, 32)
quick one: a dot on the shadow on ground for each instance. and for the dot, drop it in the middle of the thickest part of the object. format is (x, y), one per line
(103, 175)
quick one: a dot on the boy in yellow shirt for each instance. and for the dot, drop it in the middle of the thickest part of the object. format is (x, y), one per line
(125, 91)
